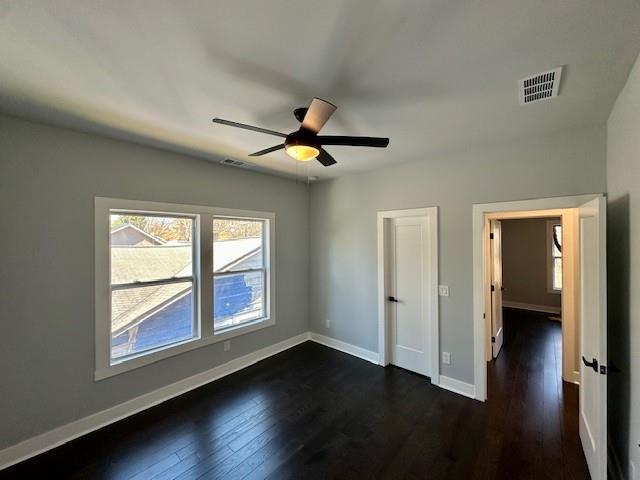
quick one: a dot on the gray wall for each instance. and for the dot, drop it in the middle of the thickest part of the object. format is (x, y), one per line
(343, 281)
(623, 241)
(48, 180)
(525, 262)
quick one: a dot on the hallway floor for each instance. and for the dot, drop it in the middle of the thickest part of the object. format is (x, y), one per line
(533, 415)
(313, 412)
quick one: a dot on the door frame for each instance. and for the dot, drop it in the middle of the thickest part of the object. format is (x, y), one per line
(481, 213)
(431, 250)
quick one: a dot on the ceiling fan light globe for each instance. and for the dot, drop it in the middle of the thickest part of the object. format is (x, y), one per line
(302, 153)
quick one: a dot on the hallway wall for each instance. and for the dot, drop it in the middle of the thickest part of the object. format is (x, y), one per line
(525, 262)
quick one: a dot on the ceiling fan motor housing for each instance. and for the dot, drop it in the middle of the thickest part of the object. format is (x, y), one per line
(302, 137)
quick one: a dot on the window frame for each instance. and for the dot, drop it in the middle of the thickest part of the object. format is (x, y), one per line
(264, 270)
(551, 257)
(202, 274)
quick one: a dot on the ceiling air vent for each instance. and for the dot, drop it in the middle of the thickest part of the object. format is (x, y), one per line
(235, 163)
(538, 87)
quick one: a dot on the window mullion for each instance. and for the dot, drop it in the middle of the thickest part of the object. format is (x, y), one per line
(205, 269)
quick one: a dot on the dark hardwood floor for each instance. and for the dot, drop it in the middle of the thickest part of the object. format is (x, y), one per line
(313, 412)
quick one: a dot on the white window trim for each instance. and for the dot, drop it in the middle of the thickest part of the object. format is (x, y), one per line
(203, 284)
(549, 238)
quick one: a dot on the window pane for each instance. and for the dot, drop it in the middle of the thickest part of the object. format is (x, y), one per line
(144, 318)
(239, 298)
(557, 273)
(557, 232)
(145, 247)
(237, 244)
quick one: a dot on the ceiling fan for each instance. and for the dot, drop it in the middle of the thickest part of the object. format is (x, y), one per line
(305, 144)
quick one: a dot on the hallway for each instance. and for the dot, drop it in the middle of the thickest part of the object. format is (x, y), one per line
(533, 415)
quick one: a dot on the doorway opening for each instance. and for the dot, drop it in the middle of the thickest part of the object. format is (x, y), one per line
(583, 309)
(531, 264)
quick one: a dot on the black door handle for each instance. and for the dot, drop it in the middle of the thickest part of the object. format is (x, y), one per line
(393, 299)
(593, 364)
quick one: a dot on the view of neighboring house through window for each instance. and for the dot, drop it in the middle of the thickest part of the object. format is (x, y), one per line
(239, 272)
(555, 232)
(154, 263)
(152, 282)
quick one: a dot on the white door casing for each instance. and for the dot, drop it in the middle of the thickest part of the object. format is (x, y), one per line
(409, 294)
(593, 336)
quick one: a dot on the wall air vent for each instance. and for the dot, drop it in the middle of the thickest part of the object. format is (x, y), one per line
(235, 163)
(539, 87)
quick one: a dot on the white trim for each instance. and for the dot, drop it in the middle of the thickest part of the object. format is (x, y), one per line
(531, 307)
(345, 347)
(458, 386)
(431, 213)
(65, 433)
(204, 333)
(478, 219)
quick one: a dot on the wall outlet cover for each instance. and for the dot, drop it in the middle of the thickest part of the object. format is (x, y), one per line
(446, 358)
(443, 290)
(227, 345)
(327, 323)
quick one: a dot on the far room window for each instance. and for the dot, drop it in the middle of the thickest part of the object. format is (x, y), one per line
(554, 230)
(239, 272)
(170, 278)
(152, 281)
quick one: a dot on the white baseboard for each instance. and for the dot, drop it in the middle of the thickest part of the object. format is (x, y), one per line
(457, 386)
(65, 433)
(532, 307)
(346, 347)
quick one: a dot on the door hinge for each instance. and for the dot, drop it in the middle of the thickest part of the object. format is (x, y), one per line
(493, 288)
(493, 339)
(491, 236)
(603, 369)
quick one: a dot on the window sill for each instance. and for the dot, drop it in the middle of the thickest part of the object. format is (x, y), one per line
(171, 350)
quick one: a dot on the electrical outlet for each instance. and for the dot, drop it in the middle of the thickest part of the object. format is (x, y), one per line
(327, 323)
(227, 345)
(443, 290)
(446, 358)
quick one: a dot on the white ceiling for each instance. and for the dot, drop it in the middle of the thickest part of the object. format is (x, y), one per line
(433, 75)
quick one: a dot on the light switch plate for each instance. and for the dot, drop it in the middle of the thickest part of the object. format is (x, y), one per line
(443, 290)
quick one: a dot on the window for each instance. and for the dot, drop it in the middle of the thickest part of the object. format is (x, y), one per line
(153, 261)
(239, 272)
(554, 242)
(152, 282)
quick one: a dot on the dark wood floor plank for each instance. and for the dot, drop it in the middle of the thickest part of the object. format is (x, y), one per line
(312, 412)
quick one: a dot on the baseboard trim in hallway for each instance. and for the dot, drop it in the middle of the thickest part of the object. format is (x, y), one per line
(65, 433)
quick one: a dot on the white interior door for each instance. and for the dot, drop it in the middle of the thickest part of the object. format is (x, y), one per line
(593, 336)
(410, 284)
(497, 332)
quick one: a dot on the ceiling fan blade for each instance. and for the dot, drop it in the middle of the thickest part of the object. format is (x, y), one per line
(353, 141)
(267, 150)
(248, 127)
(325, 159)
(318, 113)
